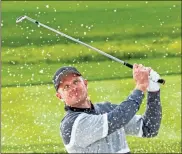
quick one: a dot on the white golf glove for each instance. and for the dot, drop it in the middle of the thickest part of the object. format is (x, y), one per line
(153, 84)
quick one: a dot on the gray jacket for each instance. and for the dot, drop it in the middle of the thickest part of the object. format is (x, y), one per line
(102, 128)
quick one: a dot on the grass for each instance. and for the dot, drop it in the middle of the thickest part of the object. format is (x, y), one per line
(118, 28)
(31, 116)
(137, 32)
(77, 53)
(29, 74)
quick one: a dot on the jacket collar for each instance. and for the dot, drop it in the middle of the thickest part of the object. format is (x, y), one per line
(75, 109)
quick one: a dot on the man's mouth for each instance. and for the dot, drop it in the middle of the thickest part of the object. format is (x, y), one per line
(74, 95)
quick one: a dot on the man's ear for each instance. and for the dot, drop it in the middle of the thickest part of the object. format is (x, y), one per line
(85, 82)
(58, 95)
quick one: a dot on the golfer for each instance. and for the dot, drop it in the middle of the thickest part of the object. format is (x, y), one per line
(102, 127)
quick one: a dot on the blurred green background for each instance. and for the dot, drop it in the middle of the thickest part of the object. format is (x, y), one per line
(146, 32)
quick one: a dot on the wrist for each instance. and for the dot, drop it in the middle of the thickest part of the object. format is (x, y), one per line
(141, 88)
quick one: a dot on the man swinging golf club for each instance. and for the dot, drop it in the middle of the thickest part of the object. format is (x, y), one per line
(102, 127)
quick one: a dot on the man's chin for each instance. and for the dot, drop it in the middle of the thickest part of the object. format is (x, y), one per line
(76, 101)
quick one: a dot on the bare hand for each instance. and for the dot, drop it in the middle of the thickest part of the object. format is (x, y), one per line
(141, 76)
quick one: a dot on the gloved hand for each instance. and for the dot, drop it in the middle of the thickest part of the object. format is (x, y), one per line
(153, 84)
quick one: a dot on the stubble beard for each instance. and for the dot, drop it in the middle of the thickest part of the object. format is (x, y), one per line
(81, 101)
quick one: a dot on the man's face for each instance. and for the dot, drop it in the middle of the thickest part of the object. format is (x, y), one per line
(73, 90)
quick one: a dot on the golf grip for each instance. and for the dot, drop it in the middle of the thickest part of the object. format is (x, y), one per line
(162, 81)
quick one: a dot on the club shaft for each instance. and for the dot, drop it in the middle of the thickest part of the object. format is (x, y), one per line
(80, 42)
(162, 81)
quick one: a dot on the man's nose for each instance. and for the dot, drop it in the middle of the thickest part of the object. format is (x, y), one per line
(73, 87)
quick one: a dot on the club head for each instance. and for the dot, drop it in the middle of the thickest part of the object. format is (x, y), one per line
(20, 19)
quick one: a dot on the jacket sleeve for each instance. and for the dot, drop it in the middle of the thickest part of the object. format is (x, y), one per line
(89, 128)
(147, 125)
(124, 112)
(153, 115)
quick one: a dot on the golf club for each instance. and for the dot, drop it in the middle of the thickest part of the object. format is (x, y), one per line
(21, 18)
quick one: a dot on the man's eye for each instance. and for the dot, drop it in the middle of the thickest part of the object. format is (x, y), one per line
(66, 87)
(76, 82)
